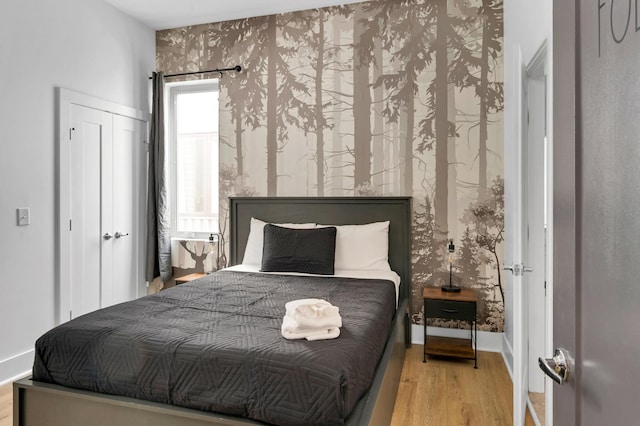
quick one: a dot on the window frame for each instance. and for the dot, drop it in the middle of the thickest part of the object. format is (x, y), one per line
(173, 90)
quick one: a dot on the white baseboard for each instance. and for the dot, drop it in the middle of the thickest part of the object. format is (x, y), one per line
(507, 354)
(16, 367)
(487, 341)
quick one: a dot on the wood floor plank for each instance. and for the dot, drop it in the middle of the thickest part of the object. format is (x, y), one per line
(442, 392)
(6, 405)
(450, 392)
(538, 402)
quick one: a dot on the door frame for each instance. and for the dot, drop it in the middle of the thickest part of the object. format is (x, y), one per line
(65, 98)
(513, 339)
(539, 69)
(515, 172)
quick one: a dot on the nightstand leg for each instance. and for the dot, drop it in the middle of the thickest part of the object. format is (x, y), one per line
(475, 342)
(424, 348)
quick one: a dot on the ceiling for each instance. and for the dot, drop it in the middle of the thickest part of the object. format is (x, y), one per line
(164, 14)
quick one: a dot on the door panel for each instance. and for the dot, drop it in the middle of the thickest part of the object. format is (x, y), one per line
(127, 143)
(91, 131)
(603, 226)
(534, 232)
(520, 305)
(608, 211)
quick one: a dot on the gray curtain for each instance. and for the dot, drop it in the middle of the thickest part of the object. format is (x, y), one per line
(158, 262)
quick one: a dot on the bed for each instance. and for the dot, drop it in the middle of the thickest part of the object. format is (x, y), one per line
(38, 402)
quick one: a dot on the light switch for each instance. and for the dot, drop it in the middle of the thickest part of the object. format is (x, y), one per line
(24, 216)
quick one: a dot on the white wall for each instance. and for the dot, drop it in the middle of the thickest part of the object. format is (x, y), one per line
(82, 45)
(527, 24)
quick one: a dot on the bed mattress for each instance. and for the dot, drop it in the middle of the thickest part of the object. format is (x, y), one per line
(215, 345)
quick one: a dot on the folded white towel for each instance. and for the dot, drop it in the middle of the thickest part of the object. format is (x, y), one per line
(303, 322)
(290, 330)
(302, 305)
(313, 313)
(312, 308)
(290, 324)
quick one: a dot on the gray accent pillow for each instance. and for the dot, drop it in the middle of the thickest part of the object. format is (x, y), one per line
(310, 251)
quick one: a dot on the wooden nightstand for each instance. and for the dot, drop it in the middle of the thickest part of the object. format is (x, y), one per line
(457, 306)
(190, 277)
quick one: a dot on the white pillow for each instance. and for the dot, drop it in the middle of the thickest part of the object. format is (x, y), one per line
(362, 247)
(253, 250)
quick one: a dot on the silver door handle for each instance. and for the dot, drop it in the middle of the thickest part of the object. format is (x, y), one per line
(107, 236)
(518, 269)
(120, 235)
(515, 269)
(558, 367)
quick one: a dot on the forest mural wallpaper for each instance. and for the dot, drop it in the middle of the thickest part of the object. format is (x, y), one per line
(388, 97)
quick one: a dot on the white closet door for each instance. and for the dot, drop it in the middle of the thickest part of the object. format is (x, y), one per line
(127, 193)
(106, 191)
(90, 145)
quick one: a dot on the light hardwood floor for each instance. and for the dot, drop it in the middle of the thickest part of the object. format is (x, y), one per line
(442, 392)
(6, 405)
(537, 400)
(449, 392)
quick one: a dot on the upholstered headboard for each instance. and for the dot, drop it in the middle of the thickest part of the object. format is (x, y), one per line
(328, 210)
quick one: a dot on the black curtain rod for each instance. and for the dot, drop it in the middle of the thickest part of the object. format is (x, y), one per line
(237, 68)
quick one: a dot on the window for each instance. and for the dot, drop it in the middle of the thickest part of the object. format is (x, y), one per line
(193, 138)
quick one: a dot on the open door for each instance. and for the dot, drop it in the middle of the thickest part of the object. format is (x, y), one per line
(513, 251)
(596, 221)
(535, 225)
(528, 270)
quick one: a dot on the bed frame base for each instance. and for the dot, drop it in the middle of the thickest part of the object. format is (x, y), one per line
(44, 404)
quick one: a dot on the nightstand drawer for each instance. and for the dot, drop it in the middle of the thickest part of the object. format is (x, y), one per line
(449, 310)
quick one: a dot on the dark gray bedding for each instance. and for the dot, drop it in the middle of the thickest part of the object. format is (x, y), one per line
(215, 345)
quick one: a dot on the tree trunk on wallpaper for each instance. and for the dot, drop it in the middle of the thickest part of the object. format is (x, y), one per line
(407, 160)
(452, 202)
(272, 99)
(378, 122)
(319, 106)
(361, 105)
(405, 175)
(237, 112)
(393, 166)
(441, 121)
(202, 50)
(194, 48)
(337, 166)
(482, 128)
(388, 167)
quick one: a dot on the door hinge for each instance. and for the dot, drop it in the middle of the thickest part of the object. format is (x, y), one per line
(70, 315)
(71, 130)
(69, 224)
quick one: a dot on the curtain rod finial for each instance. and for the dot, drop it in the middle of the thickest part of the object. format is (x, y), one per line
(237, 68)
